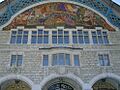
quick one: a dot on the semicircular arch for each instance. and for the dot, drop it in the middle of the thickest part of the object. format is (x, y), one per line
(102, 76)
(64, 1)
(17, 77)
(68, 76)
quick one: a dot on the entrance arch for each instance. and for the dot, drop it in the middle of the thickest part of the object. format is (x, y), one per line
(106, 84)
(64, 82)
(106, 81)
(14, 81)
(14, 84)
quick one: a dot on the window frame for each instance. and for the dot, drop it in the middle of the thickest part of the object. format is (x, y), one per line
(102, 36)
(57, 61)
(16, 60)
(42, 35)
(103, 64)
(82, 35)
(58, 36)
(78, 65)
(16, 36)
(44, 63)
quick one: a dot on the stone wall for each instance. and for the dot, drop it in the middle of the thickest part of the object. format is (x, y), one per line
(33, 69)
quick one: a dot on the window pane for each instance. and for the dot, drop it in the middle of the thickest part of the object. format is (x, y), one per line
(94, 37)
(76, 60)
(86, 37)
(25, 37)
(60, 39)
(13, 39)
(25, 32)
(19, 60)
(54, 33)
(74, 34)
(19, 39)
(106, 41)
(100, 57)
(40, 32)
(60, 36)
(80, 38)
(45, 60)
(67, 58)
(99, 33)
(54, 57)
(40, 38)
(104, 33)
(45, 39)
(106, 60)
(34, 33)
(14, 33)
(100, 40)
(33, 40)
(46, 33)
(54, 37)
(80, 32)
(94, 33)
(19, 36)
(20, 32)
(34, 37)
(60, 32)
(85, 33)
(61, 59)
(13, 60)
(66, 37)
(101, 60)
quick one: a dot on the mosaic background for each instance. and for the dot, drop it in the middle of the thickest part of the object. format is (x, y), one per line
(51, 15)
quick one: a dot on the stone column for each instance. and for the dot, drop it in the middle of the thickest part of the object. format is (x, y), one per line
(87, 87)
(36, 87)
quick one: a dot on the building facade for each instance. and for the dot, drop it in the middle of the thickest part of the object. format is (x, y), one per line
(59, 45)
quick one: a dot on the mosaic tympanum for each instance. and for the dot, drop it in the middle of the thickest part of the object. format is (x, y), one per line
(51, 15)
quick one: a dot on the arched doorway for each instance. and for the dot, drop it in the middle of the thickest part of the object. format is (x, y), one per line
(106, 84)
(60, 86)
(62, 83)
(14, 84)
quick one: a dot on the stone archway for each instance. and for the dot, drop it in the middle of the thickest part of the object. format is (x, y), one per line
(14, 84)
(14, 81)
(106, 84)
(105, 81)
(62, 83)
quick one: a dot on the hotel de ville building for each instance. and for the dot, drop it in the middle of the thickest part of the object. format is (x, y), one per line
(59, 45)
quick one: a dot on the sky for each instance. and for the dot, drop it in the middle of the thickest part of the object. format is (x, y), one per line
(116, 1)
